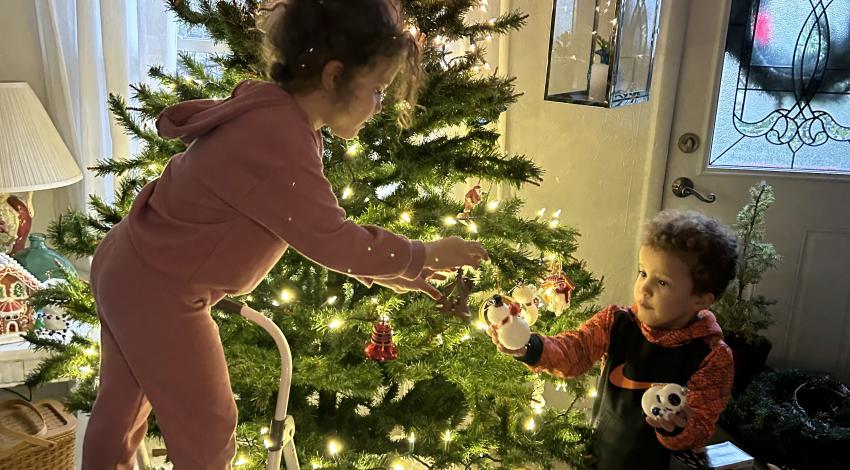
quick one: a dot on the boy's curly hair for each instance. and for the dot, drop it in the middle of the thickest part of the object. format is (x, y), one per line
(708, 248)
(302, 36)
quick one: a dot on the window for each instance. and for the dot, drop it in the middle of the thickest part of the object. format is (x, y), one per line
(162, 38)
(197, 43)
(784, 98)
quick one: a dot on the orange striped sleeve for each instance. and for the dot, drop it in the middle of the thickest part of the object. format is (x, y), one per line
(708, 392)
(572, 353)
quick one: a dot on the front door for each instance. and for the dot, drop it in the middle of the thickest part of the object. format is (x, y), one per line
(764, 94)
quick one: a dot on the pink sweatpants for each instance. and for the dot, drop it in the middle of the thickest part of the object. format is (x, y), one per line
(160, 349)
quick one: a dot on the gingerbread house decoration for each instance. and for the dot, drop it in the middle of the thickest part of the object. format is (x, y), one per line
(16, 287)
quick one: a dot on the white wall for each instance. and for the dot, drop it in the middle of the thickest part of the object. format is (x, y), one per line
(604, 168)
(20, 60)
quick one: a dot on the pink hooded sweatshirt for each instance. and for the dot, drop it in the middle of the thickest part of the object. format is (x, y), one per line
(250, 185)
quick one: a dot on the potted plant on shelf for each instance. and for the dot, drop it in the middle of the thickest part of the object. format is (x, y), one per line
(741, 312)
(598, 86)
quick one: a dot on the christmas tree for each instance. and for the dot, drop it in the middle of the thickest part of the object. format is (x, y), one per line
(449, 399)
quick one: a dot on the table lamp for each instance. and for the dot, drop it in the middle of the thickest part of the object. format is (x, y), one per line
(32, 157)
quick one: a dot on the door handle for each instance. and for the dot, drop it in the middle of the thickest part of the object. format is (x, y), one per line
(684, 187)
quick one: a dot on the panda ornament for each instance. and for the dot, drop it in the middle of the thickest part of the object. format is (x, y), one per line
(664, 400)
(505, 316)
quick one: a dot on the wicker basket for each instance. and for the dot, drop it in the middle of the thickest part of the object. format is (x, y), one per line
(36, 436)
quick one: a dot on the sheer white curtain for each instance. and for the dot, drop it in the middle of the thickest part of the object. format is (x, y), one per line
(91, 48)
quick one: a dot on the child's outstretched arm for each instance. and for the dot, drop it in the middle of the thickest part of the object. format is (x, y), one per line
(572, 353)
(298, 204)
(708, 392)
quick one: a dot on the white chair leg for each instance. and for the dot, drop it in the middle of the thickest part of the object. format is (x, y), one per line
(143, 460)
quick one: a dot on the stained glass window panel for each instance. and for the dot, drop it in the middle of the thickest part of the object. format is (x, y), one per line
(784, 98)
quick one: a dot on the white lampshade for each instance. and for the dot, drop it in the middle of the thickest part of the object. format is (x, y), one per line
(32, 154)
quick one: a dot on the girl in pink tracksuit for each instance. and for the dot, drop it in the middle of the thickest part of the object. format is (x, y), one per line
(222, 214)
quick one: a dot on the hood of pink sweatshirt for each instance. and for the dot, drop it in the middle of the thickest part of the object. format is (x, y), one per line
(191, 119)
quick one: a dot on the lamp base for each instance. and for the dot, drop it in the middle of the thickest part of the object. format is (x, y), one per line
(15, 224)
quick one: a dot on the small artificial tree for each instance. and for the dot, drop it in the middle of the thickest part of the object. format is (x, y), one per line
(741, 311)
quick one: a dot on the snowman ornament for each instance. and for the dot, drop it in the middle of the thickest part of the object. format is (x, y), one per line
(506, 316)
(664, 400)
(527, 298)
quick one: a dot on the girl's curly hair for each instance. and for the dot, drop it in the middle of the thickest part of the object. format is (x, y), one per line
(301, 36)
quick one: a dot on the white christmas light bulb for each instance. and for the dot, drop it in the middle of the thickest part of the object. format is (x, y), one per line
(334, 447)
(492, 205)
(353, 149)
(335, 323)
(347, 192)
(406, 217)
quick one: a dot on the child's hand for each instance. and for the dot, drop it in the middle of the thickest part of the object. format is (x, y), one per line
(450, 253)
(494, 336)
(671, 421)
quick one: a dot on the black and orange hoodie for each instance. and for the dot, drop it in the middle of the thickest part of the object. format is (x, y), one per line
(634, 356)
